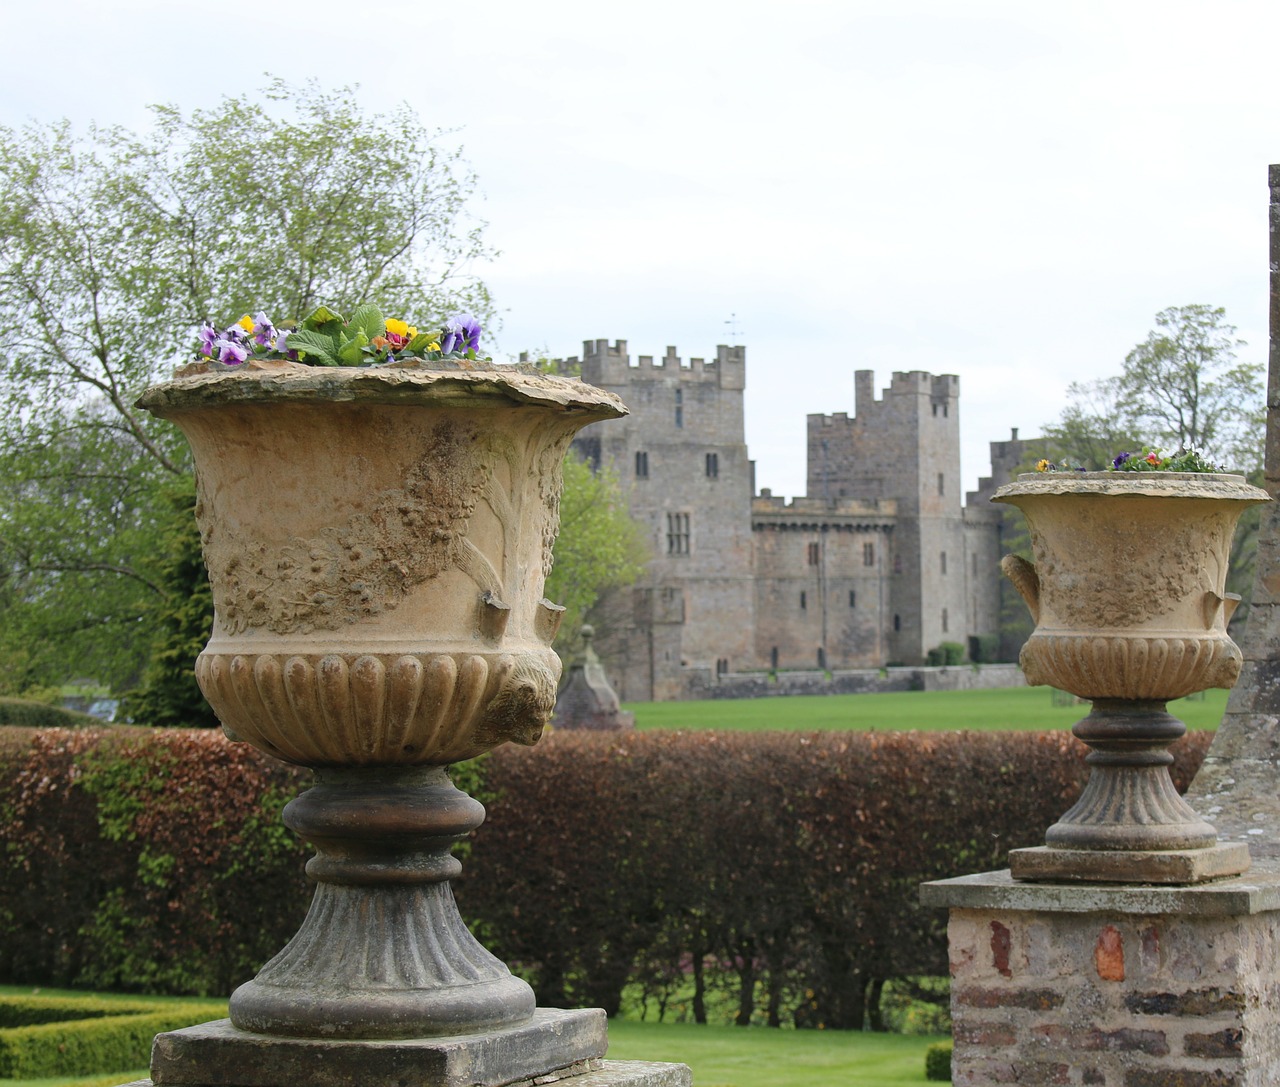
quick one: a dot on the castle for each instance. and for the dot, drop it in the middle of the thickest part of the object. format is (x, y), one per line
(877, 564)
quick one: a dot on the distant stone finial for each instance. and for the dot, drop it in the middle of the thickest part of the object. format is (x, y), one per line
(587, 701)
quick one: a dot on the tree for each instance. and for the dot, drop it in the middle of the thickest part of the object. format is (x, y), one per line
(1182, 387)
(115, 246)
(599, 547)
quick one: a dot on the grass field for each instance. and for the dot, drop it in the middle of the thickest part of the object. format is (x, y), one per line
(1004, 708)
(720, 1056)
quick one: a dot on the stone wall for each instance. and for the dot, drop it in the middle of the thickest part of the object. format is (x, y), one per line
(704, 683)
(1115, 999)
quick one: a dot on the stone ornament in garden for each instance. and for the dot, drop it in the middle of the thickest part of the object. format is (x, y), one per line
(1128, 593)
(377, 509)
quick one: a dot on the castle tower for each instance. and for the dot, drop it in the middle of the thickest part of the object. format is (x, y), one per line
(905, 446)
(681, 458)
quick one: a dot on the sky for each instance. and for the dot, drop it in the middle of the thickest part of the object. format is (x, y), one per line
(1000, 190)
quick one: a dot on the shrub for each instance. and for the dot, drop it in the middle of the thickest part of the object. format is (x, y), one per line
(25, 1011)
(779, 870)
(114, 1043)
(26, 713)
(937, 1062)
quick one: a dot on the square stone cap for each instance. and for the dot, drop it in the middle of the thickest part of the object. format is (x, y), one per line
(603, 1074)
(1254, 892)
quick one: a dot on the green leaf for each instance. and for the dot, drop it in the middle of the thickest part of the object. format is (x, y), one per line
(323, 319)
(369, 320)
(420, 341)
(316, 344)
(352, 352)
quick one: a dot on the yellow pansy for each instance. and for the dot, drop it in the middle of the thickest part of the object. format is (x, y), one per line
(399, 328)
(1042, 466)
(246, 322)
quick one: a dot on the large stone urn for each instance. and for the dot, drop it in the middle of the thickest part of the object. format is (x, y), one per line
(377, 541)
(1128, 593)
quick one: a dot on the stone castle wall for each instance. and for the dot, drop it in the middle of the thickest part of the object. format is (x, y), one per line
(876, 564)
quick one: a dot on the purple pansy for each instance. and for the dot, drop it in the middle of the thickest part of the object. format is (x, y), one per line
(230, 352)
(208, 337)
(461, 334)
(1120, 460)
(264, 332)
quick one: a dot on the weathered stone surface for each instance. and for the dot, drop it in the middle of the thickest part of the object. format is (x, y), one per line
(596, 1074)
(1258, 892)
(219, 1054)
(1127, 996)
(1130, 866)
(587, 701)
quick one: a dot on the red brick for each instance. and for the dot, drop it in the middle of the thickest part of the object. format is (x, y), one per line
(1222, 1043)
(1108, 954)
(1001, 944)
(1040, 1000)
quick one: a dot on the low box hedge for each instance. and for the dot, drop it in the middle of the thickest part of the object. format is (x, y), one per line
(937, 1062)
(28, 1011)
(85, 1046)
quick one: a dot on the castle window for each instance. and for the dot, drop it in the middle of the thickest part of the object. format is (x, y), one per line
(822, 657)
(642, 466)
(853, 599)
(773, 658)
(677, 534)
(804, 600)
(813, 553)
(868, 553)
(942, 556)
(897, 622)
(679, 407)
(975, 565)
(942, 481)
(944, 620)
(713, 465)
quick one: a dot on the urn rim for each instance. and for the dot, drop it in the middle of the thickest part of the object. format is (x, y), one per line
(208, 385)
(1217, 486)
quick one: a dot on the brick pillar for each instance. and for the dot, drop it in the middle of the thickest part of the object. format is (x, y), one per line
(1113, 986)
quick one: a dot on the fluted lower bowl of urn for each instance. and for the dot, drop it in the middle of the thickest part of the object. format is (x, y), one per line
(377, 540)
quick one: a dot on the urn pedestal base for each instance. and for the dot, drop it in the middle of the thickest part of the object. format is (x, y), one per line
(1172, 866)
(552, 1045)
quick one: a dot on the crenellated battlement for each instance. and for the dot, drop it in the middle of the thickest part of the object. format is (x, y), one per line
(610, 366)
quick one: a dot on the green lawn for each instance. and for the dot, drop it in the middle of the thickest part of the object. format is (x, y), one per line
(725, 1056)
(720, 1056)
(1005, 708)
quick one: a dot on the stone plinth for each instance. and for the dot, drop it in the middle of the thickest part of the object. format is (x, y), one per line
(1115, 986)
(593, 1074)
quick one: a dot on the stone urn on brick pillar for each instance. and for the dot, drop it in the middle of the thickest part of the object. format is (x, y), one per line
(1128, 594)
(377, 540)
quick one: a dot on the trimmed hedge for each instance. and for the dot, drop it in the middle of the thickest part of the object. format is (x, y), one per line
(779, 869)
(114, 1043)
(26, 1011)
(142, 860)
(937, 1062)
(25, 713)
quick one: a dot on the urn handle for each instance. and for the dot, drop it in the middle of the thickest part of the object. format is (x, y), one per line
(1213, 602)
(1025, 580)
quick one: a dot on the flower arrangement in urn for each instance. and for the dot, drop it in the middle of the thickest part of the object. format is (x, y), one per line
(326, 338)
(1128, 594)
(377, 507)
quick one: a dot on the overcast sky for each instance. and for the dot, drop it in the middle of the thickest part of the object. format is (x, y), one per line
(1005, 191)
